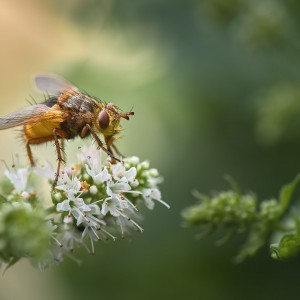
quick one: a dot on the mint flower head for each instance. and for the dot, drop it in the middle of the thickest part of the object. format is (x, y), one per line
(260, 221)
(94, 199)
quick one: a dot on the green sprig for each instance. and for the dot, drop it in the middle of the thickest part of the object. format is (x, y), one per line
(236, 212)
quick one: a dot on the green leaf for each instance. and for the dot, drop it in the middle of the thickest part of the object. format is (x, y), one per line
(226, 237)
(11, 262)
(286, 193)
(288, 247)
(205, 232)
(257, 239)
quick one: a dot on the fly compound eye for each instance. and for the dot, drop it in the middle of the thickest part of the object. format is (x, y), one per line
(103, 119)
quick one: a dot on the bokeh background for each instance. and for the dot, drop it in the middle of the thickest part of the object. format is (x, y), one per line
(215, 89)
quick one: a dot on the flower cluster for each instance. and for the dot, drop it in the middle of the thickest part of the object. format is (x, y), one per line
(224, 209)
(262, 220)
(93, 200)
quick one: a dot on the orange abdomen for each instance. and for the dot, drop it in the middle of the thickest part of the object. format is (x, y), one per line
(43, 128)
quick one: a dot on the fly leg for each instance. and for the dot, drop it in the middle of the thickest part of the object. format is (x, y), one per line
(63, 149)
(100, 144)
(29, 154)
(111, 146)
(35, 141)
(59, 156)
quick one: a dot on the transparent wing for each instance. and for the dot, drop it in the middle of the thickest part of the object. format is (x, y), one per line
(53, 84)
(23, 116)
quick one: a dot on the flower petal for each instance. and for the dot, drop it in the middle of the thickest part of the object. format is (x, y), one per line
(63, 206)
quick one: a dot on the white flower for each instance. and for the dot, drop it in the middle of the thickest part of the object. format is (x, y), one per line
(18, 178)
(96, 235)
(153, 178)
(110, 205)
(83, 213)
(119, 172)
(93, 190)
(120, 209)
(68, 204)
(70, 237)
(71, 186)
(57, 196)
(68, 219)
(153, 172)
(117, 187)
(154, 181)
(130, 175)
(153, 194)
(117, 204)
(134, 183)
(46, 170)
(98, 174)
(134, 160)
(89, 152)
(116, 190)
(144, 165)
(25, 195)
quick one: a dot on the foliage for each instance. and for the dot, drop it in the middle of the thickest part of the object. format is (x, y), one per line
(236, 213)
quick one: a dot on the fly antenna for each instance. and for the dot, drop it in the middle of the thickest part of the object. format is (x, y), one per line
(126, 115)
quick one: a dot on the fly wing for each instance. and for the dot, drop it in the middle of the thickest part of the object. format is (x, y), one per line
(23, 116)
(53, 84)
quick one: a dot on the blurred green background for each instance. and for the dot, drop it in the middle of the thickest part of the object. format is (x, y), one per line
(215, 89)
